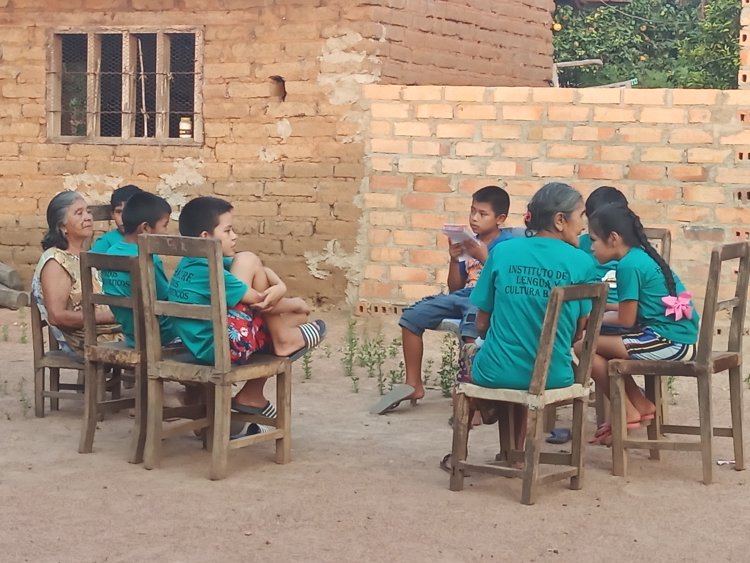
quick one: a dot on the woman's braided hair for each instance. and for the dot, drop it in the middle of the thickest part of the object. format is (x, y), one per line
(620, 219)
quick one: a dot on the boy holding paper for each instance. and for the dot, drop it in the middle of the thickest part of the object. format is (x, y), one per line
(489, 208)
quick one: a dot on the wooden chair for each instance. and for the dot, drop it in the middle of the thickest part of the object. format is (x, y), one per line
(49, 356)
(470, 397)
(100, 357)
(706, 364)
(218, 377)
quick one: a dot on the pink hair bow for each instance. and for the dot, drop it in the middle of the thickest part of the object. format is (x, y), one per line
(679, 305)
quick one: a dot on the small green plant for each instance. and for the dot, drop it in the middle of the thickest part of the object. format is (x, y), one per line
(326, 349)
(307, 365)
(394, 347)
(448, 364)
(371, 356)
(350, 348)
(23, 398)
(5, 333)
(747, 379)
(24, 332)
(396, 376)
(671, 389)
(427, 373)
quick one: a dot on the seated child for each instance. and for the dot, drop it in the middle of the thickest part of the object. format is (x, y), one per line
(145, 213)
(664, 327)
(259, 317)
(489, 208)
(601, 196)
(117, 202)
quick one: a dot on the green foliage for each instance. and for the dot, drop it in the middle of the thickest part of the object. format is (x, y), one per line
(307, 365)
(448, 364)
(662, 43)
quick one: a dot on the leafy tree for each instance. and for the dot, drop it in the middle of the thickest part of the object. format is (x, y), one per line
(662, 43)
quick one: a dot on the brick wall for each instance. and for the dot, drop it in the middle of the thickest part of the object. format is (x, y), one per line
(472, 42)
(681, 156)
(293, 169)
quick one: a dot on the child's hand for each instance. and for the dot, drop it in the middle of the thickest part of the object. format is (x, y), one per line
(455, 250)
(476, 249)
(271, 296)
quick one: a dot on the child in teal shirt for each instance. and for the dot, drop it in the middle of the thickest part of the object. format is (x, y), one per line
(606, 272)
(650, 296)
(145, 213)
(117, 202)
(260, 318)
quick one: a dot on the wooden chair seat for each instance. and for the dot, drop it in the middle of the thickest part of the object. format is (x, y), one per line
(495, 406)
(61, 360)
(115, 353)
(218, 377)
(706, 364)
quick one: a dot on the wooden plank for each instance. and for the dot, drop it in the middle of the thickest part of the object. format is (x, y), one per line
(183, 310)
(459, 450)
(93, 66)
(662, 445)
(685, 430)
(220, 446)
(198, 134)
(128, 85)
(284, 415)
(162, 86)
(735, 398)
(256, 439)
(13, 299)
(9, 277)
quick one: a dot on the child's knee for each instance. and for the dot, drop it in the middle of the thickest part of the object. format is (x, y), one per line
(247, 260)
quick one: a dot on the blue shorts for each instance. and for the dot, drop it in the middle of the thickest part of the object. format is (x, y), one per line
(646, 344)
(431, 311)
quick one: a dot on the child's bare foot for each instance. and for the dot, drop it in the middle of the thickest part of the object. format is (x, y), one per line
(290, 305)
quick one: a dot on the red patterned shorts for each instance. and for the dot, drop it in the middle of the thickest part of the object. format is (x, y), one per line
(247, 333)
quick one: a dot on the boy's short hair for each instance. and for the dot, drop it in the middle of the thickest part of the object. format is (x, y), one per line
(123, 194)
(143, 207)
(202, 214)
(497, 197)
(602, 196)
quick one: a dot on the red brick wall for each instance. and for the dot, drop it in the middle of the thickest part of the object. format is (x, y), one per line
(471, 42)
(681, 156)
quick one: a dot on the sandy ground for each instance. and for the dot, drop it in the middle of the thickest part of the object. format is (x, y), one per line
(360, 487)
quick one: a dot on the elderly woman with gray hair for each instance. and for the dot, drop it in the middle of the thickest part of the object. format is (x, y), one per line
(56, 285)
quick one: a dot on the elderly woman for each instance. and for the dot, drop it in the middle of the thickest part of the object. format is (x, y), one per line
(56, 285)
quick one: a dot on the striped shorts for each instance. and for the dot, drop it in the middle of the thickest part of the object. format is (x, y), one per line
(645, 344)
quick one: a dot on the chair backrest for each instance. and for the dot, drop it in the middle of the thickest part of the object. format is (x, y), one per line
(37, 332)
(736, 305)
(102, 212)
(215, 312)
(90, 263)
(663, 238)
(597, 293)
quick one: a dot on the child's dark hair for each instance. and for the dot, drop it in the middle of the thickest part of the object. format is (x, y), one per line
(143, 207)
(602, 196)
(123, 194)
(497, 197)
(548, 201)
(202, 214)
(620, 219)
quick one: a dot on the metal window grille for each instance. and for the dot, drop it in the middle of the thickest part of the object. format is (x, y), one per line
(137, 86)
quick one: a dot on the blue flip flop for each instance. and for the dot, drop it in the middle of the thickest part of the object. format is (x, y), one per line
(559, 436)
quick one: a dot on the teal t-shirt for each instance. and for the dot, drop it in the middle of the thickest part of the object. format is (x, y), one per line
(190, 285)
(640, 278)
(606, 272)
(118, 283)
(514, 288)
(107, 241)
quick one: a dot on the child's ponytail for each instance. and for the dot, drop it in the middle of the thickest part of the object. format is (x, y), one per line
(620, 219)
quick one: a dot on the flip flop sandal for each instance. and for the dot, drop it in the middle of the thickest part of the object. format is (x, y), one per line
(313, 334)
(243, 429)
(559, 436)
(447, 466)
(269, 410)
(393, 398)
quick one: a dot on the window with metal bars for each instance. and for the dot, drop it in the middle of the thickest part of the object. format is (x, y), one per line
(136, 86)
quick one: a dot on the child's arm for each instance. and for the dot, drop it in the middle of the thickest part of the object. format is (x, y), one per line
(482, 323)
(274, 293)
(477, 250)
(625, 315)
(456, 274)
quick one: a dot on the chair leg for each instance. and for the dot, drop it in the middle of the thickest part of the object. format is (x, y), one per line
(550, 417)
(459, 451)
(602, 406)
(662, 411)
(39, 392)
(534, 438)
(208, 435)
(155, 409)
(619, 425)
(138, 442)
(284, 415)
(706, 423)
(90, 393)
(220, 447)
(54, 385)
(101, 391)
(653, 430)
(735, 397)
(577, 445)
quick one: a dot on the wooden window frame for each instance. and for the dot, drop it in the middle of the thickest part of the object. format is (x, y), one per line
(54, 94)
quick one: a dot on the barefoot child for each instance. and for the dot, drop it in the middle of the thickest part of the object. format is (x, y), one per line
(650, 296)
(145, 213)
(489, 208)
(117, 202)
(259, 316)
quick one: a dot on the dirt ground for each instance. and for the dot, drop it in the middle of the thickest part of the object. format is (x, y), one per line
(359, 487)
